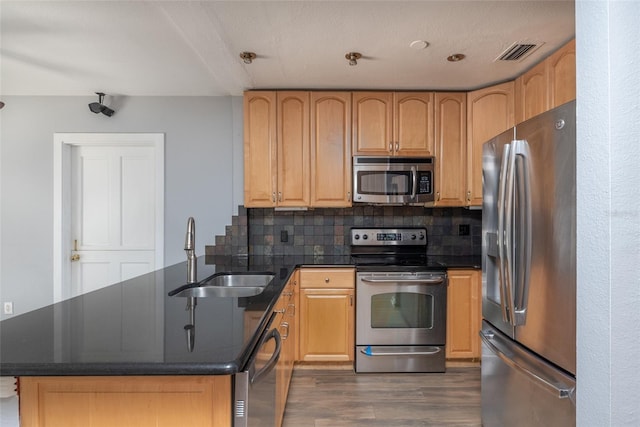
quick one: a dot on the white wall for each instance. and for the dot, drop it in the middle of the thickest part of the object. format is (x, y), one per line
(608, 227)
(203, 176)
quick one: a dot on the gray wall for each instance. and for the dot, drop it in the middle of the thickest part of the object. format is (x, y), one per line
(608, 223)
(203, 176)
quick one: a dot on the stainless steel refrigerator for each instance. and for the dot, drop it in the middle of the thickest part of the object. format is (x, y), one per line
(529, 273)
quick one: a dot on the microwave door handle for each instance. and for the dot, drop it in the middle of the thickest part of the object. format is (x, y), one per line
(524, 227)
(502, 182)
(414, 188)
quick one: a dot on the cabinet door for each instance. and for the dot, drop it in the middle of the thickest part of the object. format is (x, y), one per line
(562, 75)
(413, 124)
(293, 149)
(260, 161)
(450, 149)
(144, 401)
(331, 149)
(489, 113)
(464, 315)
(326, 325)
(532, 97)
(372, 123)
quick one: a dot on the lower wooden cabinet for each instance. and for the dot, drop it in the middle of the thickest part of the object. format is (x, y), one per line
(464, 314)
(141, 401)
(286, 323)
(327, 315)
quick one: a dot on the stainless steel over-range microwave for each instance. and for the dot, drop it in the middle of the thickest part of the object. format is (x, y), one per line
(393, 180)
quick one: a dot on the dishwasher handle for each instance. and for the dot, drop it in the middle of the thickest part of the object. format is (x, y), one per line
(272, 334)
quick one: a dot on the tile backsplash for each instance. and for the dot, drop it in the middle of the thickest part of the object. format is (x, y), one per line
(325, 231)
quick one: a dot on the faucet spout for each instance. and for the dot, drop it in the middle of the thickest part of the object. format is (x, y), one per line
(190, 248)
(190, 238)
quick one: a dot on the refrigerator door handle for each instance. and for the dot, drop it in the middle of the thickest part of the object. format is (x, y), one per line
(540, 374)
(522, 169)
(502, 183)
(509, 244)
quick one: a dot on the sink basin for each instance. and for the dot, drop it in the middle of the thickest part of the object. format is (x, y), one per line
(242, 280)
(226, 285)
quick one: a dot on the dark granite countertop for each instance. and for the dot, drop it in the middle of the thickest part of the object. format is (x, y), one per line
(135, 328)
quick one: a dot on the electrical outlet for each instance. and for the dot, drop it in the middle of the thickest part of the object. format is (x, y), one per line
(463, 230)
(284, 236)
(8, 308)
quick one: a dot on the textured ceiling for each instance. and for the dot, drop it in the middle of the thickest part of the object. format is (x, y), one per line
(139, 48)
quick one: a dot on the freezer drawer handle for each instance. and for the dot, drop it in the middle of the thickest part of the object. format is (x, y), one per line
(369, 352)
(561, 392)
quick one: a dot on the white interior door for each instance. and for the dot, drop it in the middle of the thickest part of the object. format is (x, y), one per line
(109, 209)
(112, 215)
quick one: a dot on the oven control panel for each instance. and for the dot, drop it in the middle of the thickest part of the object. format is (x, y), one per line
(388, 236)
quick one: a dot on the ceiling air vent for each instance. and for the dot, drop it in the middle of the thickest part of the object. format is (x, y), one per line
(518, 51)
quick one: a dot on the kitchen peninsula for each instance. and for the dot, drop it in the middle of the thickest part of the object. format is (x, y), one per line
(122, 351)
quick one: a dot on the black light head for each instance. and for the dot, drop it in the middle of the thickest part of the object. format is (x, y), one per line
(96, 107)
(99, 107)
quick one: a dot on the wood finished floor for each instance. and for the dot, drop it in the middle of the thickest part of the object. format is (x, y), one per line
(334, 398)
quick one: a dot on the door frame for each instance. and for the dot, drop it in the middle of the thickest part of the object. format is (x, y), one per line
(62, 145)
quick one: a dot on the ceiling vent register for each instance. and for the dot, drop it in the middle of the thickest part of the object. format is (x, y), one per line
(518, 51)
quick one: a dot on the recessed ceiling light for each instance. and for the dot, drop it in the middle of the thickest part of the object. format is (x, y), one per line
(419, 44)
(247, 57)
(455, 57)
(353, 57)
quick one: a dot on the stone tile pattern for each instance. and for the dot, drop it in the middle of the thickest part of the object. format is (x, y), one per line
(258, 231)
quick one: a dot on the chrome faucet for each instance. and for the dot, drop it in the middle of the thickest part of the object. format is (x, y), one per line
(192, 277)
(190, 248)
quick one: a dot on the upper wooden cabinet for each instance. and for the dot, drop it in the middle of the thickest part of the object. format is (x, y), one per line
(276, 149)
(490, 111)
(450, 148)
(561, 73)
(297, 149)
(331, 149)
(292, 117)
(549, 84)
(531, 93)
(393, 124)
(260, 149)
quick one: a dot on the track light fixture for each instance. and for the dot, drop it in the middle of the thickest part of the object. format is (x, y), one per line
(353, 57)
(99, 107)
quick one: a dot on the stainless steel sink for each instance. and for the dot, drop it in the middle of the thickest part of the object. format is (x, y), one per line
(235, 280)
(226, 285)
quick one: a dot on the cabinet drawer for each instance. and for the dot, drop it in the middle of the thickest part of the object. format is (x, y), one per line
(335, 278)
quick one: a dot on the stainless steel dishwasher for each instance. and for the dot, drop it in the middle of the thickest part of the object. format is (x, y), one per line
(255, 387)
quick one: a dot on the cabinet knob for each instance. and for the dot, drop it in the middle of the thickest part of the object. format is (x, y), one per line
(273, 197)
(326, 280)
(469, 196)
(438, 196)
(397, 146)
(348, 196)
(391, 147)
(279, 196)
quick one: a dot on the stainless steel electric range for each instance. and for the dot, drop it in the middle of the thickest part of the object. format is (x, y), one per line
(400, 302)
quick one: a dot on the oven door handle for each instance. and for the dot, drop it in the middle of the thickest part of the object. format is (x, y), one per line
(369, 351)
(436, 281)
